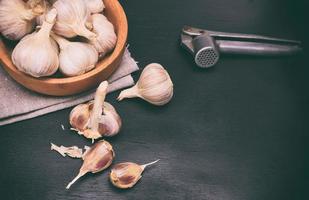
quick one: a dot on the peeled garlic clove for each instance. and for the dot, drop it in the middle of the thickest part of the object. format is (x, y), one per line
(95, 6)
(126, 175)
(75, 58)
(154, 86)
(106, 38)
(72, 18)
(37, 54)
(17, 18)
(99, 157)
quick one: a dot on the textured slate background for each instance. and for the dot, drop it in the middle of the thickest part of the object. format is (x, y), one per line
(237, 131)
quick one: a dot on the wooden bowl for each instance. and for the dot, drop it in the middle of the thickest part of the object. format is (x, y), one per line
(73, 85)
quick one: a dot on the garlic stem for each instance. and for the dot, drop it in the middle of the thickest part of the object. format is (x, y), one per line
(48, 23)
(83, 31)
(148, 164)
(80, 174)
(129, 93)
(97, 106)
(28, 15)
(63, 43)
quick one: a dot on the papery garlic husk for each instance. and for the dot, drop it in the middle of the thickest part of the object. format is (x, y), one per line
(75, 58)
(73, 152)
(72, 18)
(105, 40)
(105, 119)
(95, 6)
(126, 175)
(154, 86)
(37, 54)
(99, 157)
(17, 18)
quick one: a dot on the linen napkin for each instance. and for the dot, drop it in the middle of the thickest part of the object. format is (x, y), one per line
(18, 103)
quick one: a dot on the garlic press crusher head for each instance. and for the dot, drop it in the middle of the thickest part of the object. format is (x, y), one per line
(206, 46)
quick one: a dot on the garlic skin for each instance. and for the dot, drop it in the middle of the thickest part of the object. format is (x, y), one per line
(106, 38)
(37, 54)
(17, 18)
(73, 152)
(95, 6)
(79, 117)
(75, 58)
(99, 157)
(96, 119)
(126, 175)
(110, 122)
(72, 19)
(154, 86)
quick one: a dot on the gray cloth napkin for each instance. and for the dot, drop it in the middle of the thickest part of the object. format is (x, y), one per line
(18, 103)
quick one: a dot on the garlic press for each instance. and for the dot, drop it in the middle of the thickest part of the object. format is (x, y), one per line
(206, 45)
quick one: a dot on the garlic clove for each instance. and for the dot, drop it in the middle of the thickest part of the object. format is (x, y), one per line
(96, 119)
(79, 117)
(106, 38)
(72, 18)
(110, 122)
(75, 58)
(154, 86)
(37, 54)
(99, 157)
(95, 6)
(17, 18)
(126, 175)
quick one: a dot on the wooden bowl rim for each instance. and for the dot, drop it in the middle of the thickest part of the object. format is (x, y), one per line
(122, 31)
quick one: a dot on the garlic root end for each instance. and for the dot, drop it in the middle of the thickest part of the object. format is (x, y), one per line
(148, 164)
(81, 173)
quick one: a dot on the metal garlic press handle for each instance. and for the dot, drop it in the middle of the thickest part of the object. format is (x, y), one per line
(235, 36)
(256, 48)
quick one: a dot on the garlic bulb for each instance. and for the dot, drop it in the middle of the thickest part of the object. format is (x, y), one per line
(126, 175)
(95, 6)
(37, 54)
(154, 86)
(17, 17)
(75, 58)
(106, 38)
(96, 119)
(72, 18)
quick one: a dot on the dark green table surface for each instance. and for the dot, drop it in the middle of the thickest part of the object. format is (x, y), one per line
(237, 131)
